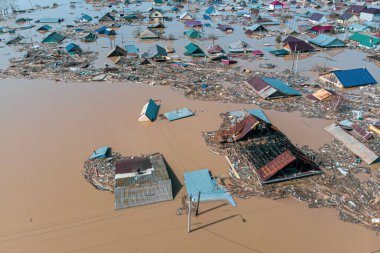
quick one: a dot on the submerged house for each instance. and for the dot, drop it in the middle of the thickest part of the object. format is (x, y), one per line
(297, 46)
(156, 16)
(348, 78)
(73, 48)
(107, 18)
(224, 28)
(90, 37)
(149, 111)
(148, 35)
(141, 181)
(326, 41)
(193, 23)
(271, 88)
(317, 18)
(185, 16)
(240, 47)
(155, 52)
(271, 161)
(255, 28)
(117, 51)
(44, 28)
(131, 49)
(54, 37)
(212, 11)
(200, 184)
(364, 40)
(50, 20)
(192, 34)
(216, 49)
(351, 143)
(85, 18)
(194, 50)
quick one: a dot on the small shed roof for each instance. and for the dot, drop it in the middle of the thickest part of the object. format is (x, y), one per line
(102, 152)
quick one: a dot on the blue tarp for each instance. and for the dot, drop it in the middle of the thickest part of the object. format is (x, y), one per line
(201, 181)
(258, 113)
(178, 114)
(280, 86)
(354, 77)
(102, 152)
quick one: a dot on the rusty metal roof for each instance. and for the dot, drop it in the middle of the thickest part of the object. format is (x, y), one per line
(129, 165)
(277, 164)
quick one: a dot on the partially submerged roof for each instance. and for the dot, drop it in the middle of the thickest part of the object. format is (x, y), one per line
(148, 34)
(258, 113)
(44, 28)
(155, 51)
(353, 144)
(200, 182)
(269, 88)
(54, 37)
(149, 111)
(279, 52)
(178, 114)
(90, 37)
(131, 49)
(323, 40)
(193, 34)
(102, 152)
(73, 48)
(117, 51)
(50, 20)
(354, 77)
(280, 162)
(194, 50)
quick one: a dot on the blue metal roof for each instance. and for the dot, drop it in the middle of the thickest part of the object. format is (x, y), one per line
(102, 152)
(72, 47)
(354, 77)
(86, 17)
(210, 10)
(201, 181)
(280, 86)
(178, 114)
(152, 110)
(258, 113)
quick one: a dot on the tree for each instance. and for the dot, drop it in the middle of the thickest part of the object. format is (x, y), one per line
(212, 37)
(278, 39)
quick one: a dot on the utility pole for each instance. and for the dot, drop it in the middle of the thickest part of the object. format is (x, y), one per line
(189, 216)
(294, 57)
(199, 199)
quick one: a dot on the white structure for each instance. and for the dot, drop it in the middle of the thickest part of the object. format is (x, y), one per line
(370, 14)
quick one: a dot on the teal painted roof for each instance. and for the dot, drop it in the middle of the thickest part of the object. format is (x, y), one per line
(280, 86)
(102, 152)
(178, 114)
(152, 110)
(200, 181)
(365, 40)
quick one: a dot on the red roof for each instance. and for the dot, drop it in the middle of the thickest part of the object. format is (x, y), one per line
(322, 28)
(276, 3)
(129, 165)
(258, 52)
(277, 164)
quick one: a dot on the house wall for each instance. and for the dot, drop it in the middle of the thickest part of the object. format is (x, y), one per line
(331, 79)
(135, 195)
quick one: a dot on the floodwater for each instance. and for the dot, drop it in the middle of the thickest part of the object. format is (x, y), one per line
(125, 36)
(48, 129)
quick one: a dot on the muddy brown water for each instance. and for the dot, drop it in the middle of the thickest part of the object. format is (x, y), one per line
(48, 129)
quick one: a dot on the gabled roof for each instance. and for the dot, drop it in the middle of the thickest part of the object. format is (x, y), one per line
(269, 88)
(346, 16)
(148, 34)
(257, 27)
(131, 49)
(90, 37)
(193, 23)
(193, 49)
(192, 33)
(155, 51)
(44, 28)
(299, 46)
(107, 17)
(54, 37)
(277, 164)
(323, 40)
(117, 51)
(374, 11)
(102, 152)
(316, 16)
(354, 77)
(291, 39)
(215, 49)
(73, 48)
(86, 17)
(356, 9)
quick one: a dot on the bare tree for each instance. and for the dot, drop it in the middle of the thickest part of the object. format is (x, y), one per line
(212, 37)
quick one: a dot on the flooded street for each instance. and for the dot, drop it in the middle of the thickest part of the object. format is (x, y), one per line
(48, 130)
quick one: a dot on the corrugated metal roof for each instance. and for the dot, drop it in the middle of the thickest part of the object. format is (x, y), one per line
(323, 40)
(201, 181)
(354, 77)
(353, 144)
(258, 113)
(128, 165)
(277, 164)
